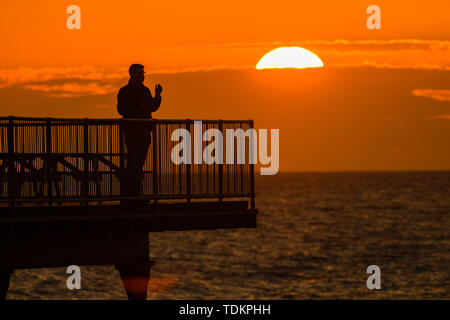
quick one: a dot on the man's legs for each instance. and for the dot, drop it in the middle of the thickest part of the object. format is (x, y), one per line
(141, 157)
(137, 140)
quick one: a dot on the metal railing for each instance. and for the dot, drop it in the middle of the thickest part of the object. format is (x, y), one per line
(53, 160)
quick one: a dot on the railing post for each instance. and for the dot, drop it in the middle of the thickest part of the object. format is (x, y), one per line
(156, 157)
(121, 160)
(11, 168)
(86, 160)
(252, 175)
(221, 164)
(188, 166)
(49, 162)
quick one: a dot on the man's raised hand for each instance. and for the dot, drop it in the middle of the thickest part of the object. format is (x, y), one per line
(158, 89)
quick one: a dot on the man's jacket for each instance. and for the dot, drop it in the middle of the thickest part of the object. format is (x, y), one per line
(130, 99)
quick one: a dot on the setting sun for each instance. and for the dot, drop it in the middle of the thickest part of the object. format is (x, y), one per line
(289, 57)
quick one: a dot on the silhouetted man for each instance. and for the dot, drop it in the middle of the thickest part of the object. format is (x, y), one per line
(135, 101)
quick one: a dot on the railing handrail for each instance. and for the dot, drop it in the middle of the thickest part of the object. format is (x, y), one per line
(118, 120)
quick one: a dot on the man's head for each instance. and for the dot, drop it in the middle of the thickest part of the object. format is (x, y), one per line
(137, 73)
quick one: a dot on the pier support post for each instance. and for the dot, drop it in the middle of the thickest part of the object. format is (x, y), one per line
(5, 275)
(135, 275)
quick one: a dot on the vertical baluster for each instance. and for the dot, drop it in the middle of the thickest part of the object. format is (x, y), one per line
(155, 157)
(111, 174)
(252, 176)
(160, 159)
(48, 138)
(221, 164)
(121, 159)
(86, 161)
(188, 165)
(180, 171)
(11, 168)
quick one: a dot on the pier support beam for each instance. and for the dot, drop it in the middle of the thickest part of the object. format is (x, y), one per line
(135, 275)
(5, 276)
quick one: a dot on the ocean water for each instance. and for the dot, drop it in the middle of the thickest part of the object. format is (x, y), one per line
(317, 234)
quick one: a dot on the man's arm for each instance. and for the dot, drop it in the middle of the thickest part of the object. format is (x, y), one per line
(152, 104)
(120, 103)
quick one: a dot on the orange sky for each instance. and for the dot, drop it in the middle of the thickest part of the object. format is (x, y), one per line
(382, 101)
(113, 33)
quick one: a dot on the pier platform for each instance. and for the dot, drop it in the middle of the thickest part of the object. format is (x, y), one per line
(61, 200)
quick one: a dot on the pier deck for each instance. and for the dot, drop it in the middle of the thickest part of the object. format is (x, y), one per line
(61, 200)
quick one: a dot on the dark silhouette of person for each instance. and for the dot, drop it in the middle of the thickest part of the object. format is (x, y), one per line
(135, 101)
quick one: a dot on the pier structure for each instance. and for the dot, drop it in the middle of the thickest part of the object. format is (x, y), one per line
(62, 204)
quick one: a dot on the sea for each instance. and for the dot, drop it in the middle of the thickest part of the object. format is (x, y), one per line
(317, 234)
